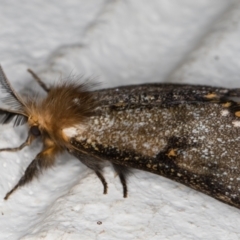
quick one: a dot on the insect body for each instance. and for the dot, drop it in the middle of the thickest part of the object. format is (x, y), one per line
(187, 133)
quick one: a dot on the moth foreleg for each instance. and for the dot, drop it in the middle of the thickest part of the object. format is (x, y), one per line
(24, 144)
(33, 170)
(122, 172)
(38, 80)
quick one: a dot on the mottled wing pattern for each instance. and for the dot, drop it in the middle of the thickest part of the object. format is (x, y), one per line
(190, 134)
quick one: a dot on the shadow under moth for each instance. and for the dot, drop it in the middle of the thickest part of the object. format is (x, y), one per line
(187, 133)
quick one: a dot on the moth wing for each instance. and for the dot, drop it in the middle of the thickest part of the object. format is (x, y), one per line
(160, 94)
(186, 133)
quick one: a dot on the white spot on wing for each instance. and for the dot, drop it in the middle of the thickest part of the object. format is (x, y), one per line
(236, 123)
(70, 132)
(224, 113)
(74, 131)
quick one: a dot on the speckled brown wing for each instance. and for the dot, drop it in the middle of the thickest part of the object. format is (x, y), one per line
(190, 134)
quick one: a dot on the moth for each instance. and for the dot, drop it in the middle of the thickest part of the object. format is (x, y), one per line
(187, 133)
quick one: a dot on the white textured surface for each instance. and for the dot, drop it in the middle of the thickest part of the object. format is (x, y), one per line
(117, 43)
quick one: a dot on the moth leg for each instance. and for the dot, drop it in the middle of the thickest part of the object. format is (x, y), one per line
(102, 179)
(26, 143)
(93, 164)
(31, 171)
(38, 80)
(122, 172)
(42, 161)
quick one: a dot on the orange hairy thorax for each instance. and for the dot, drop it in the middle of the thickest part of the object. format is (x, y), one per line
(65, 106)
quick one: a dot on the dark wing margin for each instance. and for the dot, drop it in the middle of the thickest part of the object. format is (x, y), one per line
(8, 95)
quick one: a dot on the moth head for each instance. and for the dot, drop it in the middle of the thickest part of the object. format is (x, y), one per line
(66, 105)
(35, 130)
